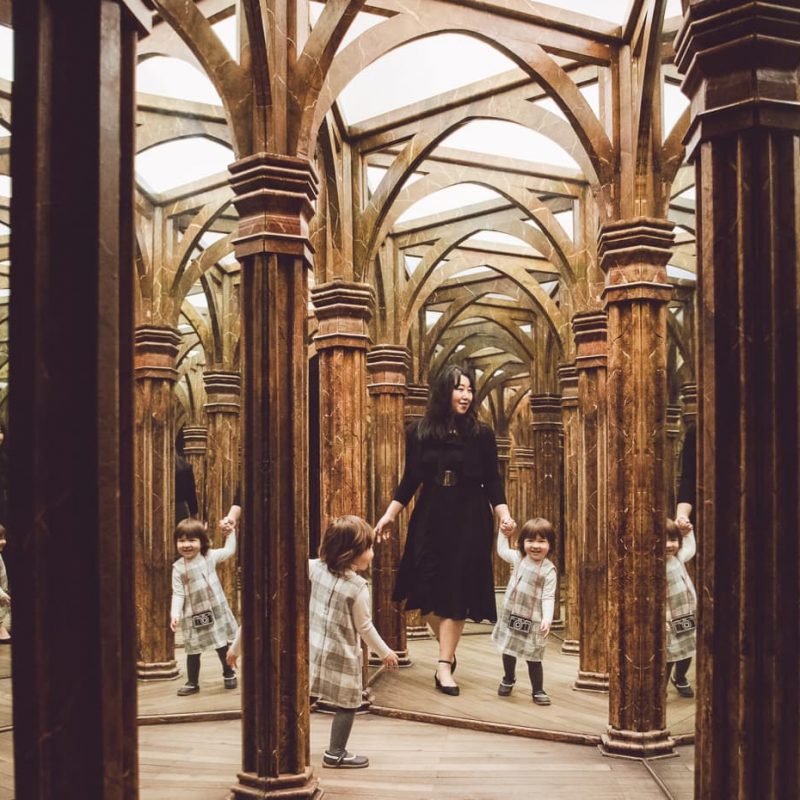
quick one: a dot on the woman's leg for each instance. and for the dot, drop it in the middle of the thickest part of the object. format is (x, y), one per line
(449, 635)
(433, 621)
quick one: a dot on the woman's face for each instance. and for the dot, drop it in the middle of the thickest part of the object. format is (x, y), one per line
(462, 396)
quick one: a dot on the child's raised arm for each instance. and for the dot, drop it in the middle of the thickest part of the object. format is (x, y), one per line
(227, 550)
(504, 548)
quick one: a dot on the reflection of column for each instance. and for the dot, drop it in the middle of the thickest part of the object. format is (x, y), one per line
(343, 311)
(388, 366)
(71, 529)
(223, 406)
(568, 378)
(500, 568)
(741, 62)
(673, 452)
(416, 400)
(154, 505)
(590, 341)
(195, 438)
(689, 403)
(546, 431)
(634, 255)
(274, 195)
(525, 456)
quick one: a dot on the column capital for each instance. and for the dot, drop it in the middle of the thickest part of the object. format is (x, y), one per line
(274, 195)
(416, 400)
(156, 352)
(546, 411)
(387, 367)
(634, 255)
(344, 310)
(590, 331)
(223, 391)
(673, 421)
(568, 382)
(195, 439)
(503, 448)
(740, 62)
(523, 457)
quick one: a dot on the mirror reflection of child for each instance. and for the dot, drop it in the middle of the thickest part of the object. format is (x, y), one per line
(681, 605)
(198, 603)
(528, 605)
(5, 597)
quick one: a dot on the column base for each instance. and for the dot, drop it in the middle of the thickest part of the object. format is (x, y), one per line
(403, 659)
(591, 681)
(636, 744)
(418, 632)
(571, 647)
(157, 671)
(304, 786)
(558, 625)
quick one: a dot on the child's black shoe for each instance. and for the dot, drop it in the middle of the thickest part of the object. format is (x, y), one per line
(230, 681)
(504, 689)
(344, 761)
(541, 698)
(189, 688)
(684, 689)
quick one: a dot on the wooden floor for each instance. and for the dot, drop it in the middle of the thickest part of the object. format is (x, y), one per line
(478, 675)
(410, 760)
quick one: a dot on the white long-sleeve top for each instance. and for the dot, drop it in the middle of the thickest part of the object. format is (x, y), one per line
(513, 556)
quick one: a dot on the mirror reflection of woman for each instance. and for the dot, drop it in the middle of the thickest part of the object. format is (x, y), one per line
(446, 567)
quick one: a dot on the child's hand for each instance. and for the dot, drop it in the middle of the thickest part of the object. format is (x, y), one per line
(231, 658)
(545, 627)
(391, 661)
(383, 530)
(227, 525)
(5, 600)
(507, 527)
(173, 624)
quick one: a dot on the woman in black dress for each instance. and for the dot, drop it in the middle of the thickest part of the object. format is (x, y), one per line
(446, 568)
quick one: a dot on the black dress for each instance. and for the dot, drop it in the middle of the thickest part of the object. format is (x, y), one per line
(446, 566)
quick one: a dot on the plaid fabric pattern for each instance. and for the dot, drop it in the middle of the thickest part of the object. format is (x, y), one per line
(204, 592)
(681, 600)
(530, 583)
(334, 645)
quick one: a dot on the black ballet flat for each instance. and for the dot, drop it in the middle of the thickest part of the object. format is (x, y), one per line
(453, 691)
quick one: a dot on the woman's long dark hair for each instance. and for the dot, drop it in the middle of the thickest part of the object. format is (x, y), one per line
(439, 418)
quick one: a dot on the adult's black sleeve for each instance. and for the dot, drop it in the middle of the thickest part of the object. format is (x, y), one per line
(493, 483)
(687, 490)
(412, 476)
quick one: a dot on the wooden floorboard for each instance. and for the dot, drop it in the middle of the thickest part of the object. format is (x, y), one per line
(409, 761)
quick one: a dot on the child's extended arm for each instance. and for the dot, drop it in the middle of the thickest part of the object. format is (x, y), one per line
(367, 631)
(506, 551)
(234, 649)
(178, 597)
(229, 522)
(5, 598)
(548, 601)
(226, 551)
(688, 546)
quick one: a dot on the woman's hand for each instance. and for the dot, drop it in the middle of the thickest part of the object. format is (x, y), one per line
(507, 526)
(684, 524)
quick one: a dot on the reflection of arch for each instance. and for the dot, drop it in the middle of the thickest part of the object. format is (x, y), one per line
(676, 331)
(414, 298)
(474, 337)
(182, 128)
(403, 29)
(674, 150)
(491, 381)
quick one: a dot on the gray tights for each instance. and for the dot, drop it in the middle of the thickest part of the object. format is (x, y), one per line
(340, 730)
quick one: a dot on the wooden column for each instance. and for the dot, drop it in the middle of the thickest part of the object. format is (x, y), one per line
(195, 444)
(222, 409)
(274, 196)
(342, 339)
(689, 403)
(416, 400)
(525, 468)
(387, 365)
(568, 378)
(500, 568)
(547, 484)
(589, 330)
(154, 499)
(673, 453)
(741, 62)
(634, 255)
(71, 481)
